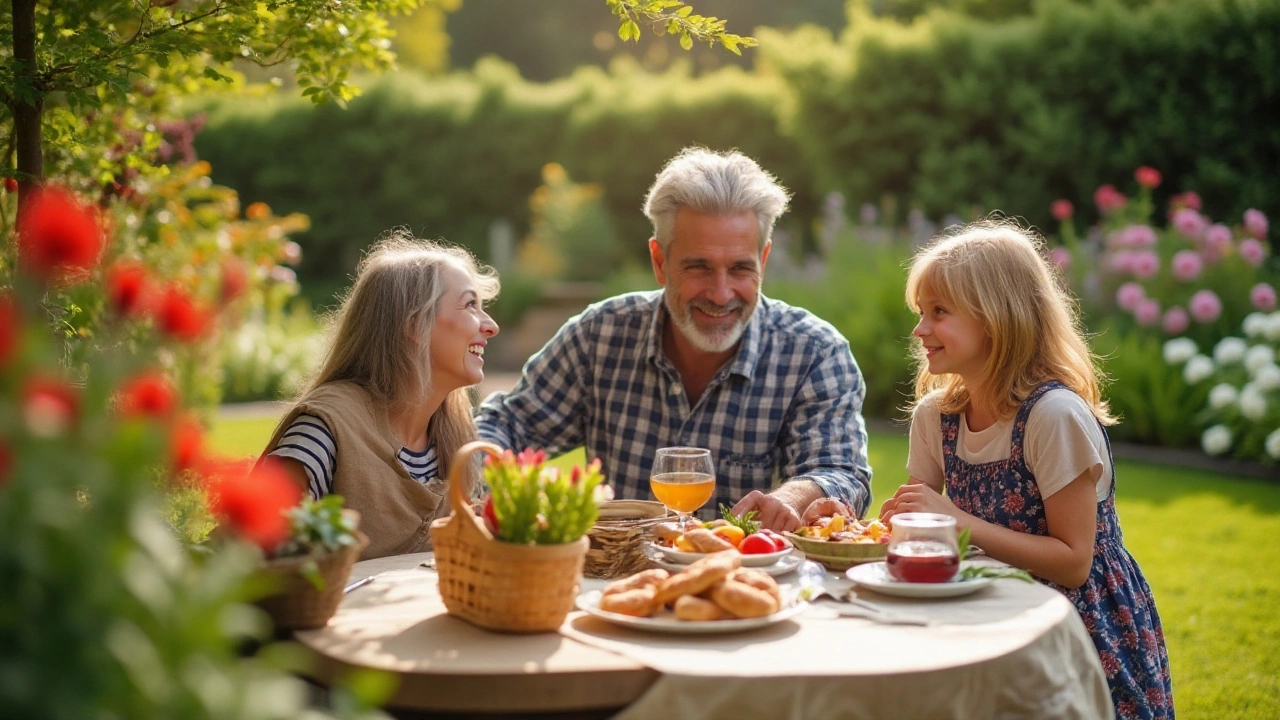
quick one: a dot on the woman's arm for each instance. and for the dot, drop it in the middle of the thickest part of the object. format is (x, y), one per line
(1064, 556)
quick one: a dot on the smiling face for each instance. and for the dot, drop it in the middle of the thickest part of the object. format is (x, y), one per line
(954, 342)
(461, 331)
(711, 275)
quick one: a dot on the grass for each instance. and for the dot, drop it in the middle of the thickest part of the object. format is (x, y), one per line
(1208, 545)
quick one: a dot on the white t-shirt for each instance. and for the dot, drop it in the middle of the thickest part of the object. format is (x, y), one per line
(1062, 440)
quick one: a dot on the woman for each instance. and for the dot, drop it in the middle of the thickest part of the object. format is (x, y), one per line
(381, 419)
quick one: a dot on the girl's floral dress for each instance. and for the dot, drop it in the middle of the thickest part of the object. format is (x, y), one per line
(1115, 602)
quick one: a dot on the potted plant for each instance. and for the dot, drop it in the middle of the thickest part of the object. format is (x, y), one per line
(518, 569)
(309, 569)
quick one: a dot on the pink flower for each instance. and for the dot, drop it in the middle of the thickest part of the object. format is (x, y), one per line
(1129, 295)
(1122, 262)
(1205, 306)
(1263, 297)
(1255, 223)
(1187, 199)
(1252, 251)
(1190, 223)
(1218, 238)
(1147, 177)
(1060, 257)
(1140, 236)
(1176, 320)
(1147, 312)
(1144, 264)
(1061, 209)
(1186, 265)
(1108, 199)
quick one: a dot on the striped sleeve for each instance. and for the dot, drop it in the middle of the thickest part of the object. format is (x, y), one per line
(308, 441)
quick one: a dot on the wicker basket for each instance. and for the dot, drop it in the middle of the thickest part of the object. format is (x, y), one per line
(299, 605)
(497, 585)
(618, 537)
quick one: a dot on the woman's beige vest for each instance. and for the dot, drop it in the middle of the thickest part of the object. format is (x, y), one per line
(395, 510)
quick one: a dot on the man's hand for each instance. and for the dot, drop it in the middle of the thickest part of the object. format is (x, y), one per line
(780, 510)
(826, 507)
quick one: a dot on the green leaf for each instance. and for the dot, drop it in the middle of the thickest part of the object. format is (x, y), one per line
(686, 42)
(684, 11)
(987, 571)
(963, 543)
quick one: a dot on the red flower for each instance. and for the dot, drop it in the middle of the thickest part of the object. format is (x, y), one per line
(147, 395)
(179, 317)
(1188, 199)
(1062, 209)
(254, 504)
(1108, 199)
(127, 287)
(234, 280)
(10, 328)
(6, 462)
(58, 237)
(49, 406)
(186, 444)
(11, 185)
(1147, 177)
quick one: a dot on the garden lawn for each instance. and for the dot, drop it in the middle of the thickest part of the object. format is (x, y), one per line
(1209, 546)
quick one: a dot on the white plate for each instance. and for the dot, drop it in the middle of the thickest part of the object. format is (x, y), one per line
(784, 564)
(875, 576)
(755, 561)
(589, 602)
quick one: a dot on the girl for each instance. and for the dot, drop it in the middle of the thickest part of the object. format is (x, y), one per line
(1009, 419)
(381, 419)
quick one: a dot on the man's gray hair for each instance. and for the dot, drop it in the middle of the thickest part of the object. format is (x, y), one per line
(720, 183)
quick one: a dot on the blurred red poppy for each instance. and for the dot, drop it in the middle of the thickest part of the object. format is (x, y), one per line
(178, 315)
(1061, 209)
(253, 504)
(147, 395)
(59, 238)
(186, 444)
(49, 406)
(127, 287)
(10, 329)
(1147, 177)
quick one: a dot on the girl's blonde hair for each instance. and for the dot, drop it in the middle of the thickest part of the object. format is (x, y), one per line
(379, 336)
(996, 272)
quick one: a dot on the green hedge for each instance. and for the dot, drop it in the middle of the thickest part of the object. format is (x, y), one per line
(447, 157)
(952, 112)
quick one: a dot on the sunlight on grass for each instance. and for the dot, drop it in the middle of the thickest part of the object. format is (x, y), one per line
(1207, 544)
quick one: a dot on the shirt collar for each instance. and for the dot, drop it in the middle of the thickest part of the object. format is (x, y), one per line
(744, 363)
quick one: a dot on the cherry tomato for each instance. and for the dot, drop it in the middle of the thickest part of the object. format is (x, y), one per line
(756, 544)
(779, 543)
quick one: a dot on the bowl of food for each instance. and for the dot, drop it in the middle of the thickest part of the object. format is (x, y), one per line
(695, 541)
(840, 542)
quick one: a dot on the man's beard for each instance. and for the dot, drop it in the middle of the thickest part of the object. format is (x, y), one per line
(720, 340)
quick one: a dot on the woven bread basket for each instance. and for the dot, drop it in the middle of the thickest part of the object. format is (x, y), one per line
(498, 585)
(298, 605)
(618, 537)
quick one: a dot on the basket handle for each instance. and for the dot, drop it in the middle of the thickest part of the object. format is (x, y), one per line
(457, 469)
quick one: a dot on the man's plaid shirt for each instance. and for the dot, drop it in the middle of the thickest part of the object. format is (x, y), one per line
(788, 406)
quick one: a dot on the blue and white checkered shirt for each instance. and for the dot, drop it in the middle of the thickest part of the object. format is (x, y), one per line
(788, 406)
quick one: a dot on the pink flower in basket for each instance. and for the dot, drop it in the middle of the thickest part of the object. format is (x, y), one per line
(1205, 306)
(1176, 321)
(1263, 297)
(532, 503)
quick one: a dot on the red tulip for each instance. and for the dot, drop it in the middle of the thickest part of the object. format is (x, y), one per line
(58, 237)
(253, 504)
(49, 406)
(127, 287)
(10, 329)
(147, 395)
(179, 317)
(1147, 177)
(11, 185)
(1062, 209)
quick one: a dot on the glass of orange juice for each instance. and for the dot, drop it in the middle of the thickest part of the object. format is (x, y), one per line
(683, 479)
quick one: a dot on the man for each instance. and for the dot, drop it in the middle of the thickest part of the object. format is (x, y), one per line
(771, 390)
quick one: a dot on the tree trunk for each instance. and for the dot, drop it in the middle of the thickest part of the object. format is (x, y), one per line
(27, 111)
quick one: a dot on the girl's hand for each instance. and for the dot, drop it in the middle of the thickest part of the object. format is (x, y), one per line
(918, 497)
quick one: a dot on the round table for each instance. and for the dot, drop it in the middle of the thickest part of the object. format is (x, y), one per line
(1012, 649)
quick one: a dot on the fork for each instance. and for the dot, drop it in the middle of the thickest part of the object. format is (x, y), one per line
(848, 604)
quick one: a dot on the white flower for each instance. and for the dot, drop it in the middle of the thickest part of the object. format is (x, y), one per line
(1267, 378)
(1229, 350)
(1198, 368)
(1259, 356)
(1223, 395)
(1273, 444)
(1216, 440)
(1273, 326)
(1180, 350)
(1255, 324)
(1253, 403)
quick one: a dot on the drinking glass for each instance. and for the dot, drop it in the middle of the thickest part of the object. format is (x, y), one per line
(683, 479)
(923, 549)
